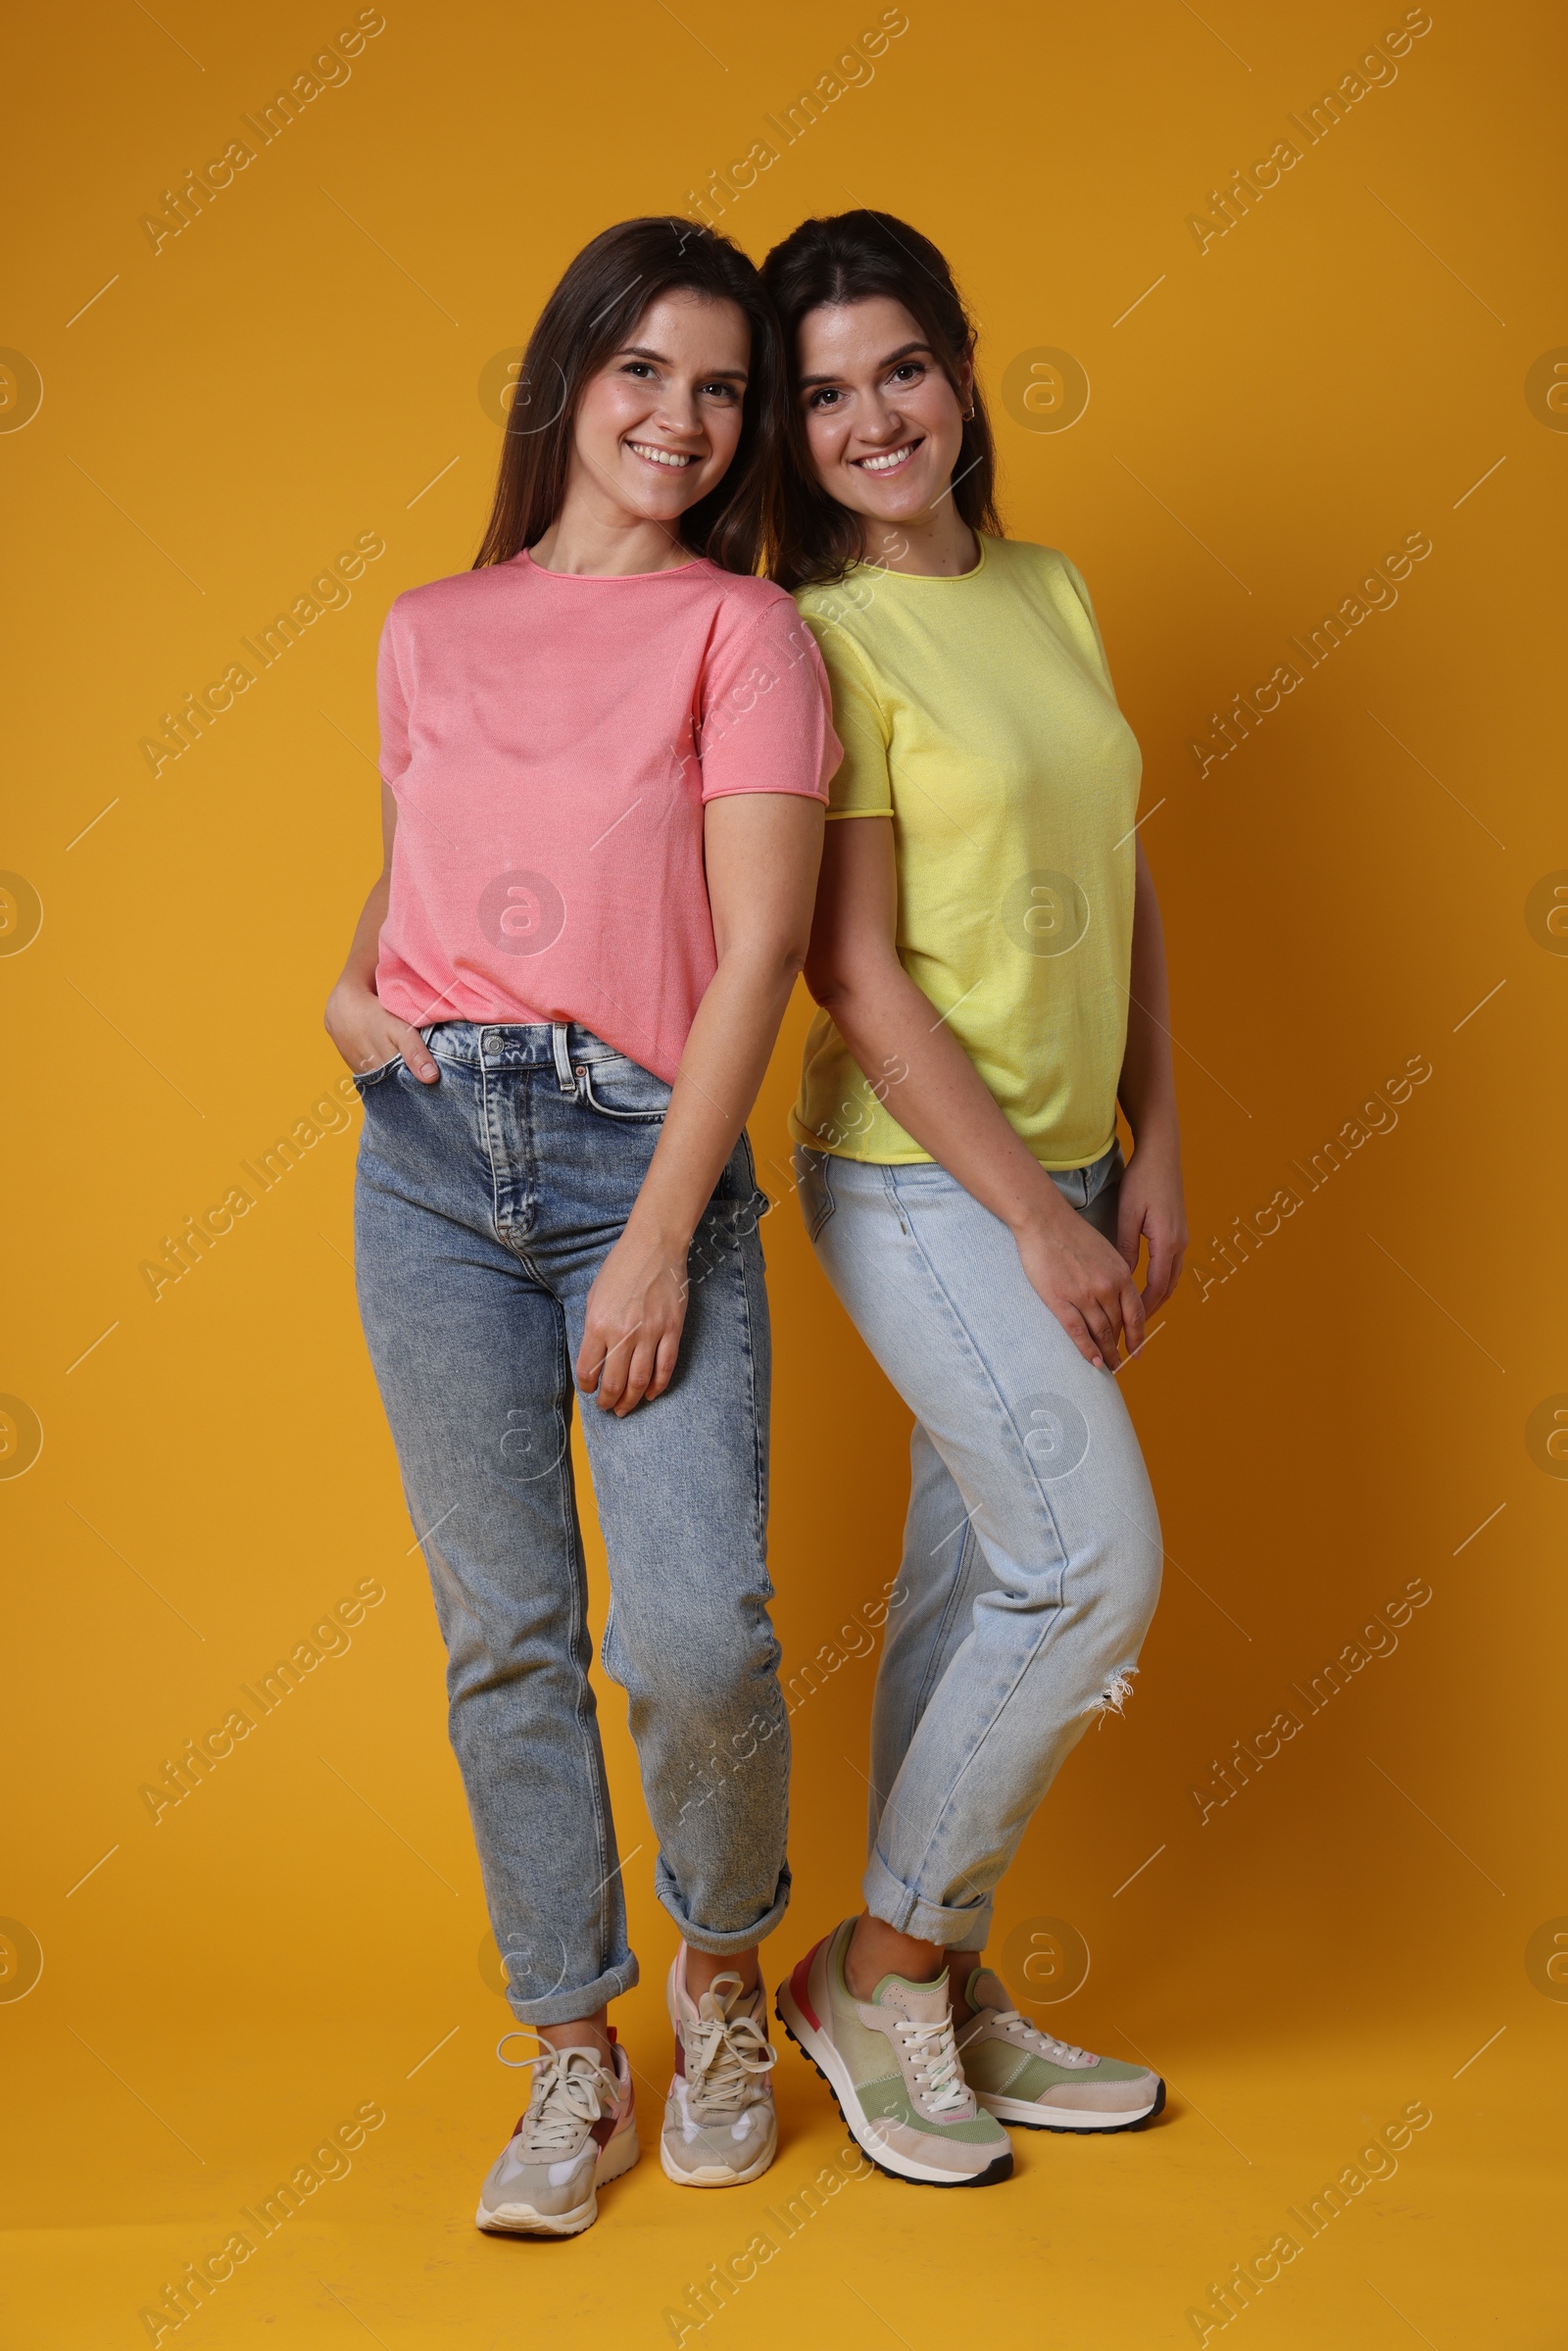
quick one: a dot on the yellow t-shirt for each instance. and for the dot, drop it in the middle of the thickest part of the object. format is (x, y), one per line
(978, 712)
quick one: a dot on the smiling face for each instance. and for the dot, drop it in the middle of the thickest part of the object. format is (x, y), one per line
(657, 424)
(883, 423)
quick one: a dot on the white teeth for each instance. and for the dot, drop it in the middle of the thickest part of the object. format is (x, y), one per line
(661, 457)
(885, 465)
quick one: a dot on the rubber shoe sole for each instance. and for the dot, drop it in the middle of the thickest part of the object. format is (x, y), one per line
(711, 2175)
(521, 2220)
(1031, 2114)
(818, 2051)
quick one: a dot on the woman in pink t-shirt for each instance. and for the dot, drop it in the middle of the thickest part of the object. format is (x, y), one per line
(604, 753)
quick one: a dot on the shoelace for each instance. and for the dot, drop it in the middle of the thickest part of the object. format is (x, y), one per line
(934, 2062)
(725, 2055)
(1060, 2052)
(569, 2093)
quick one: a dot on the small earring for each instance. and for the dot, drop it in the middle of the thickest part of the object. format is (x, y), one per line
(968, 414)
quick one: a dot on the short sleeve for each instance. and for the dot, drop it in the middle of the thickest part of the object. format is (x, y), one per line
(392, 704)
(862, 786)
(766, 715)
(1076, 578)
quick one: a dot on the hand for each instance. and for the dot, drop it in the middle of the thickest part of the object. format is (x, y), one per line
(636, 1312)
(367, 1035)
(1151, 1207)
(1084, 1281)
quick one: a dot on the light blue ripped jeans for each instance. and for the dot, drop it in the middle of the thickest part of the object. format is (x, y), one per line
(1032, 1549)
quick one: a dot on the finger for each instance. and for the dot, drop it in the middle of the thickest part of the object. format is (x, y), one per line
(639, 1372)
(1077, 1330)
(1104, 1325)
(665, 1364)
(416, 1052)
(1129, 1229)
(1157, 1282)
(590, 1361)
(617, 1370)
(1132, 1315)
(612, 1374)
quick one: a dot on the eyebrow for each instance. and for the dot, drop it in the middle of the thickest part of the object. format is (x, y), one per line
(904, 352)
(661, 359)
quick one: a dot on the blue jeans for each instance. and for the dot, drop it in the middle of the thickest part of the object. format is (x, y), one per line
(485, 1205)
(1030, 1552)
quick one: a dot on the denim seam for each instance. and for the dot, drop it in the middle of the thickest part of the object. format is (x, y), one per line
(487, 1129)
(508, 1241)
(1041, 1642)
(584, 1710)
(1011, 1430)
(586, 1095)
(950, 1609)
(758, 1463)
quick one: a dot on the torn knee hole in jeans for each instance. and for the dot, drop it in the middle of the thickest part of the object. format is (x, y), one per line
(1113, 1699)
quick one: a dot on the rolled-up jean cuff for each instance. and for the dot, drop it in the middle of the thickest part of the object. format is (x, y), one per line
(702, 1939)
(897, 1905)
(567, 2007)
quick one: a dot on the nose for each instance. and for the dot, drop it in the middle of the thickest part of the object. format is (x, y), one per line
(679, 414)
(881, 423)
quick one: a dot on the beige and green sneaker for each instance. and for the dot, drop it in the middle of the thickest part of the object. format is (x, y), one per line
(893, 2067)
(1023, 2075)
(719, 2125)
(580, 2130)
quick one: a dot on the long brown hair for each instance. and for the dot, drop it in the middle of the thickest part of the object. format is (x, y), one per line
(592, 313)
(855, 257)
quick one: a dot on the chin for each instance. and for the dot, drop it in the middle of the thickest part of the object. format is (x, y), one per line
(899, 505)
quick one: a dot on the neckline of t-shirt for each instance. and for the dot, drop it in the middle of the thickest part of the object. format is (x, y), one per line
(933, 580)
(612, 579)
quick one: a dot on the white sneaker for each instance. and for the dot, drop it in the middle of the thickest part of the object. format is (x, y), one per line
(579, 2131)
(720, 2129)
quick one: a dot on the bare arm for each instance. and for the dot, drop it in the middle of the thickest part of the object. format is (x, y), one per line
(853, 971)
(762, 851)
(365, 1033)
(1150, 1202)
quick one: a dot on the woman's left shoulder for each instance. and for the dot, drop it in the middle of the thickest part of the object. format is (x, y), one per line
(1024, 558)
(748, 599)
(1043, 572)
(755, 613)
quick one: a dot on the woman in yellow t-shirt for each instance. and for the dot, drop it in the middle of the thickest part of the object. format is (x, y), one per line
(990, 973)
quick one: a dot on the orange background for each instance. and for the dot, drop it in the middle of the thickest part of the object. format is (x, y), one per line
(1266, 418)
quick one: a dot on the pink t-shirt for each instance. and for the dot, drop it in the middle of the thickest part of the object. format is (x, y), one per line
(551, 740)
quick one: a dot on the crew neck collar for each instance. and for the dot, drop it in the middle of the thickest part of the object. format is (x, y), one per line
(933, 580)
(610, 580)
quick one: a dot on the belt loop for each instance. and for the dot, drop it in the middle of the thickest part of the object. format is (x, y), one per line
(563, 1071)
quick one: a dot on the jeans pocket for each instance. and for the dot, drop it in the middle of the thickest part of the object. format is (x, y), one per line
(622, 1089)
(372, 1077)
(815, 1187)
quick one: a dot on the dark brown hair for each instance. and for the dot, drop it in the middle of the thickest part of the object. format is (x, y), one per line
(853, 258)
(592, 313)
